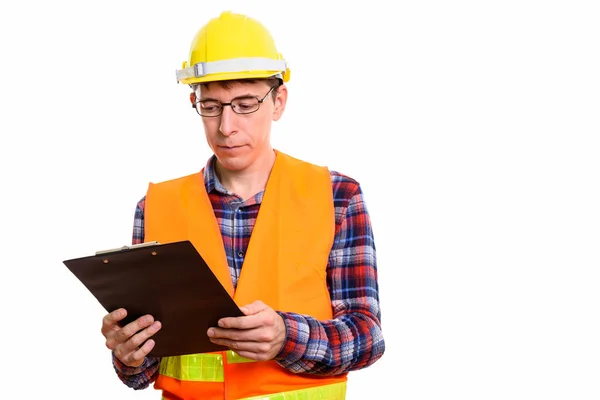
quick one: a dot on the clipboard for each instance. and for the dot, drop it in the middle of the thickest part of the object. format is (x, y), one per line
(171, 281)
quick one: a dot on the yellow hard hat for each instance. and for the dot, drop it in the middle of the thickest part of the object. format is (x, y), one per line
(232, 46)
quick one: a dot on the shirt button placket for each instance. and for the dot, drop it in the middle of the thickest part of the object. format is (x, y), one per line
(238, 212)
(234, 239)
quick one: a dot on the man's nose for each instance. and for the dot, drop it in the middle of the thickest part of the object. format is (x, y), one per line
(228, 116)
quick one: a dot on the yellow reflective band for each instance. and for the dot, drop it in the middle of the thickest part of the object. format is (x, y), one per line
(193, 367)
(199, 367)
(337, 391)
(209, 368)
(235, 358)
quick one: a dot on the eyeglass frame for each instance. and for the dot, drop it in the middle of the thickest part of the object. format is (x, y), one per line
(230, 104)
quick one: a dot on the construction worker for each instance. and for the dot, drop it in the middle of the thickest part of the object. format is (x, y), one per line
(303, 269)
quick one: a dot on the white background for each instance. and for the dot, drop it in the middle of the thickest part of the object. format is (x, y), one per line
(472, 127)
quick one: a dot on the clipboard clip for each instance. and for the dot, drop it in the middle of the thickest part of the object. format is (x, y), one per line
(129, 247)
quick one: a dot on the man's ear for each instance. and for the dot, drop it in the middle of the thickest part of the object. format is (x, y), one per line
(193, 99)
(280, 102)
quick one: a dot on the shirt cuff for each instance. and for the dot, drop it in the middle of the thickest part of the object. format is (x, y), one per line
(126, 370)
(296, 338)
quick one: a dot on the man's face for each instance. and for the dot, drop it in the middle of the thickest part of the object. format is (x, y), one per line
(239, 140)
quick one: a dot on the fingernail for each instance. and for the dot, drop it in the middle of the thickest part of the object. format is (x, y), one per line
(211, 332)
(244, 310)
(221, 324)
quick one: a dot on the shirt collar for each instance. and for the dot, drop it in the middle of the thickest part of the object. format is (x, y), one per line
(211, 180)
(212, 183)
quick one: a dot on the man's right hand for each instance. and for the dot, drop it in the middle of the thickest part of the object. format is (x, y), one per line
(125, 341)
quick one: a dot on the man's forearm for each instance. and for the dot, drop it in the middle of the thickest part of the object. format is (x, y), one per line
(349, 342)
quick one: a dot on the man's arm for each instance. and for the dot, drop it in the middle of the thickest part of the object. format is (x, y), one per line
(137, 377)
(353, 338)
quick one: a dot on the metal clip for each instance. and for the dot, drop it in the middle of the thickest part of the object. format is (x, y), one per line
(199, 69)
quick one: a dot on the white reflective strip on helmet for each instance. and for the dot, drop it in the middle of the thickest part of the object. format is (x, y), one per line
(232, 65)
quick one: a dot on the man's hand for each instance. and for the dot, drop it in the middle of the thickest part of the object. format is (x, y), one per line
(259, 335)
(125, 341)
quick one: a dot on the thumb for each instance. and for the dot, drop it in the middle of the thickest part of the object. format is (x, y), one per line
(254, 308)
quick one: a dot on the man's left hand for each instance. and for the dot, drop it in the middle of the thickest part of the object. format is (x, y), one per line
(258, 335)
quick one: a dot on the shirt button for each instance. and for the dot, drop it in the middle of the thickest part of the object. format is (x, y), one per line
(240, 254)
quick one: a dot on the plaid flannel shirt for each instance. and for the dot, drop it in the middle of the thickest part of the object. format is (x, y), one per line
(353, 338)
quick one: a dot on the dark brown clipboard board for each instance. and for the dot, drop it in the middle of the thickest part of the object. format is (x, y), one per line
(170, 281)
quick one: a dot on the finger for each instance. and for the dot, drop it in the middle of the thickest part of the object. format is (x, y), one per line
(254, 308)
(140, 337)
(234, 334)
(123, 334)
(144, 350)
(110, 321)
(243, 346)
(136, 358)
(129, 352)
(247, 322)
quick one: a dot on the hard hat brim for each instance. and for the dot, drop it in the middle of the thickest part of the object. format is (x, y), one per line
(228, 76)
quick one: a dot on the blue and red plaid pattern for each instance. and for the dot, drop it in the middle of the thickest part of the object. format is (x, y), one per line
(352, 339)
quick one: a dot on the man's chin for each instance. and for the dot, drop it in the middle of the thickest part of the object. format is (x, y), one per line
(232, 163)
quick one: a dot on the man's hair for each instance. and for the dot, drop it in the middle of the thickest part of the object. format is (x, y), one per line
(273, 81)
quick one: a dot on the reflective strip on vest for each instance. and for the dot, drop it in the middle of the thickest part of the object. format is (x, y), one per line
(235, 358)
(336, 391)
(199, 367)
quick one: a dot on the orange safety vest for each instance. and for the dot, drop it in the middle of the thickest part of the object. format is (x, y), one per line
(285, 267)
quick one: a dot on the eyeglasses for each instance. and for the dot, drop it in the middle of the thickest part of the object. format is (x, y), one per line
(239, 105)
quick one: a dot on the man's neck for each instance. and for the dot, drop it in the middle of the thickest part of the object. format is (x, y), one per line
(250, 181)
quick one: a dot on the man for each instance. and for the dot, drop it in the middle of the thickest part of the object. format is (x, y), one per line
(303, 270)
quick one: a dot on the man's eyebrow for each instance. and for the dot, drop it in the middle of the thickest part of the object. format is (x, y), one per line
(207, 99)
(243, 96)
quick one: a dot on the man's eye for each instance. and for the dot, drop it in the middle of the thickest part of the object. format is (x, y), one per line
(209, 106)
(245, 106)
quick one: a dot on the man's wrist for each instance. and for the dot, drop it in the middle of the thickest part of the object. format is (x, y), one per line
(292, 348)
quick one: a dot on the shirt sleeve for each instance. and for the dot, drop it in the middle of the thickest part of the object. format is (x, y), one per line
(142, 376)
(353, 339)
